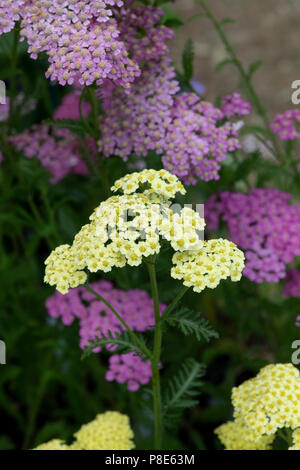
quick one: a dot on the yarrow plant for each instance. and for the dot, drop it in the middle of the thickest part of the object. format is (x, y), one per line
(129, 229)
(263, 406)
(119, 126)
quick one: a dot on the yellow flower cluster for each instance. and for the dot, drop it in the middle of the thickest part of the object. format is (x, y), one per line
(54, 444)
(126, 229)
(108, 431)
(262, 406)
(217, 260)
(156, 184)
(296, 440)
(233, 437)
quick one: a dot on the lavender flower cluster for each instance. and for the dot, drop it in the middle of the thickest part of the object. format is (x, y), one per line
(264, 224)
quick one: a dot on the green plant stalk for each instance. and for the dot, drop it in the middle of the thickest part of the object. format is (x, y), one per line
(132, 334)
(97, 136)
(157, 402)
(174, 303)
(244, 75)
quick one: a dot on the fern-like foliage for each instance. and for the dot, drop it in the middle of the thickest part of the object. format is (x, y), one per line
(183, 389)
(192, 323)
(124, 342)
(76, 127)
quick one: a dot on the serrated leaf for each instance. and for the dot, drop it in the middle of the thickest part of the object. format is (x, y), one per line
(191, 323)
(183, 388)
(72, 125)
(124, 343)
(188, 60)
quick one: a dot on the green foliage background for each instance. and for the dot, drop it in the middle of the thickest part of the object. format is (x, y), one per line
(46, 389)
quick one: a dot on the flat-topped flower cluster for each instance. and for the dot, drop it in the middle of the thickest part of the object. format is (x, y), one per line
(130, 227)
(108, 431)
(264, 405)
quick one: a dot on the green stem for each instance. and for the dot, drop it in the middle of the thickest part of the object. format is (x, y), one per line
(174, 303)
(244, 75)
(95, 116)
(132, 334)
(97, 136)
(157, 402)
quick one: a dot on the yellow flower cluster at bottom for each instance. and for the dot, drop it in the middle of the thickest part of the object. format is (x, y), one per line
(268, 403)
(108, 431)
(233, 436)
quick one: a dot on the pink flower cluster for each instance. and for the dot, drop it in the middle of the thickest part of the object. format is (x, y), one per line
(142, 34)
(196, 140)
(130, 369)
(286, 125)
(189, 133)
(81, 39)
(9, 14)
(69, 107)
(96, 319)
(137, 122)
(57, 149)
(292, 285)
(264, 224)
(89, 41)
(235, 105)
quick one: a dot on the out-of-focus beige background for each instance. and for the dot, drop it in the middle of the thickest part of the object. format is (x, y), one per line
(267, 30)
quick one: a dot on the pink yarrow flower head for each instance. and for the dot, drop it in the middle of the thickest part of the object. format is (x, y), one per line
(82, 41)
(10, 11)
(129, 368)
(137, 122)
(95, 319)
(287, 124)
(190, 134)
(196, 140)
(57, 149)
(141, 32)
(235, 105)
(292, 284)
(264, 224)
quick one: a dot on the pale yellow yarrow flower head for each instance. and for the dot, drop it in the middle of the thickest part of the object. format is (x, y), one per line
(265, 405)
(108, 431)
(127, 228)
(130, 226)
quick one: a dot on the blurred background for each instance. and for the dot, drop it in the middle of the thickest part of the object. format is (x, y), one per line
(265, 30)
